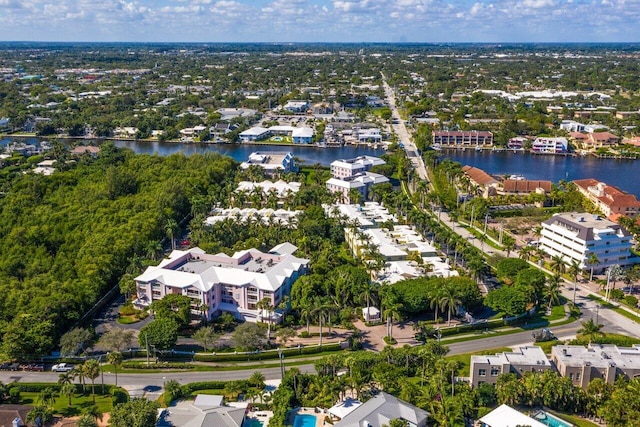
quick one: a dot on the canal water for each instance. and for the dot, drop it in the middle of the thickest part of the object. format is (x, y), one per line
(624, 174)
(309, 155)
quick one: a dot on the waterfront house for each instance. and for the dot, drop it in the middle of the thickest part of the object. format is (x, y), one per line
(483, 182)
(222, 283)
(606, 361)
(525, 186)
(256, 133)
(92, 150)
(575, 236)
(546, 145)
(302, 135)
(487, 368)
(272, 162)
(609, 200)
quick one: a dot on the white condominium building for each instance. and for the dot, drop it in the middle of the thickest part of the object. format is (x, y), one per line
(578, 235)
(223, 283)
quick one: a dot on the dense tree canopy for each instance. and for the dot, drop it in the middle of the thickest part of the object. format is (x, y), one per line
(68, 238)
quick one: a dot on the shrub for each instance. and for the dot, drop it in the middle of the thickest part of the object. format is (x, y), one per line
(631, 301)
(304, 334)
(14, 395)
(617, 294)
(128, 310)
(119, 395)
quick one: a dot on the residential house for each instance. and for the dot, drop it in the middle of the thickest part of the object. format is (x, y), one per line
(369, 135)
(345, 168)
(228, 114)
(486, 369)
(272, 162)
(203, 411)
(525, 186)
(473, 138)
(622, 115)
(605, 361)
(222, 283)
(506, 416)
(256, 133)
(365, 215)
(547, 145)
(13, 415)
(380, 410)
(484, 182)
(280, 189)
(296, 107)
(609, 200)
(302, 135)
(267, 216)
(576, 236)
(92, 150)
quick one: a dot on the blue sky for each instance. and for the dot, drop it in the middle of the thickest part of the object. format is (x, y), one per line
(321, 20)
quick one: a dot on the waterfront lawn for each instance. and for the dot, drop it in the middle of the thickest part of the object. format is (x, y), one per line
(78, 402)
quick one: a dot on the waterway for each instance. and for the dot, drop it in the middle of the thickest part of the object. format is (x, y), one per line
(624, 174)
(309, 155)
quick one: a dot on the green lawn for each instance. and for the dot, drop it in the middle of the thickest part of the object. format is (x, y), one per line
(78, 402)
(466, 358)
(574, 419)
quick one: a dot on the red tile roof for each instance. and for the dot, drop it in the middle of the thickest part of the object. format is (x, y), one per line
(612, 196)
(479, 176)
(525, 186)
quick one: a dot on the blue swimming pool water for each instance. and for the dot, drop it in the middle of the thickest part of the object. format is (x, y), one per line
(551, 420)
(304, 420)
(252, 422)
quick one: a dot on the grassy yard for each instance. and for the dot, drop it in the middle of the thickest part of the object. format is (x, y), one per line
(78, 402)
(466, 358)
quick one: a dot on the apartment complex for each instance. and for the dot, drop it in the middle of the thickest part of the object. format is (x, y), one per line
(223, 283)
(578, 235)
(472, 138)
(606, 361)
(609, 200)
(345, 168)
(485, 369)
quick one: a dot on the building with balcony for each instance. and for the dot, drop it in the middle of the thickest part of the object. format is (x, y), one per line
(272, 162)
(609, 200)
(545, 145)
(345, 168)
(223, 283)
(486, 369)
(360, 182)
(605, 361)
(575, 236)
(472, 138)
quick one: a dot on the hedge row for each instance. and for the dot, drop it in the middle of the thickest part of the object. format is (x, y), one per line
(161, 365)
(265, 355)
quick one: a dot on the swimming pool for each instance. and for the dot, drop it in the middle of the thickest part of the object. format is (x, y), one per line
(252, 422)
(304, 420)
(551, 420)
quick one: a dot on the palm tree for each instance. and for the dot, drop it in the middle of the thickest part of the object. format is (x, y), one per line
(557, 265)
(115, 358)
(434, 301)
(171, 227)
(574, 270)
(552, 292)
(67, 387)
(48, 396)
(91, 370)
(591, 329)
(450, 300)
(265, 305)
(592, 261)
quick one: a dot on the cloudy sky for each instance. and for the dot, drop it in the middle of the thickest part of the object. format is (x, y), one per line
(321, 20)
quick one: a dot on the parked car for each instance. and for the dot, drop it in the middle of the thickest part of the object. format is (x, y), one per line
(62, 367)
(33, 367)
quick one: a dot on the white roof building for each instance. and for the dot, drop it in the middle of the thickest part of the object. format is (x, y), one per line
(233, 284)
(381, 409)
(506, 416)
(281, 187)
(344, 168)
(487, 368)
(271, 162)
(255, 133)
(266, 216)
(366, 215)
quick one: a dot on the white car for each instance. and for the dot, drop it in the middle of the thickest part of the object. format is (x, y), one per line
(62, 367)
